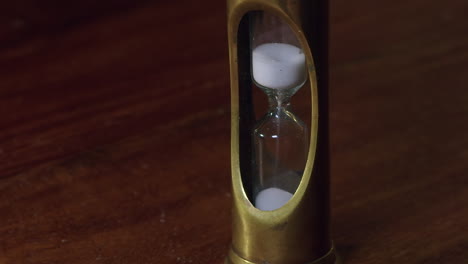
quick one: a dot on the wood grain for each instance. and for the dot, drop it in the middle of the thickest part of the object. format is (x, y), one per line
(114, 131)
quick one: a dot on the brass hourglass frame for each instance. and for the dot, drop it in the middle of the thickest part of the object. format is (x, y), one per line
(298, 232)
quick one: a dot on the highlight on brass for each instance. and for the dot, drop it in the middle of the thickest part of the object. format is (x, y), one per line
(279, 138)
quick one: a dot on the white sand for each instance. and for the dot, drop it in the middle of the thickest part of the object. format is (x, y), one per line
(271, 199)
(278, 66)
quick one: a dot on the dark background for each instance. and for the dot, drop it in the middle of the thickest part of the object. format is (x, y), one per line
(114, 131)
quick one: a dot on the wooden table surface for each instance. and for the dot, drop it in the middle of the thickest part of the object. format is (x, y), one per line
(114, 131)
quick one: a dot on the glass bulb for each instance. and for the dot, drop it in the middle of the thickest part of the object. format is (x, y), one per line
(280, 139)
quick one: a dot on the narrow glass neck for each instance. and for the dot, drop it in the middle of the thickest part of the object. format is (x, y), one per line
(279, 99)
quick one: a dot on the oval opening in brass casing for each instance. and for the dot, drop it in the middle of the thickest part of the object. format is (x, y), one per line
(273, 139)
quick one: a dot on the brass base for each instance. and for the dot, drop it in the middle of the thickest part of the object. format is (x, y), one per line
(329, 258)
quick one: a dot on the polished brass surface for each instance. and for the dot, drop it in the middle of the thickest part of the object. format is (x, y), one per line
(329, 258)
(298, 231)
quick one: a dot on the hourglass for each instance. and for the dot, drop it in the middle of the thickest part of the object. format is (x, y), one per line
(279, 166)
(280, 139)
